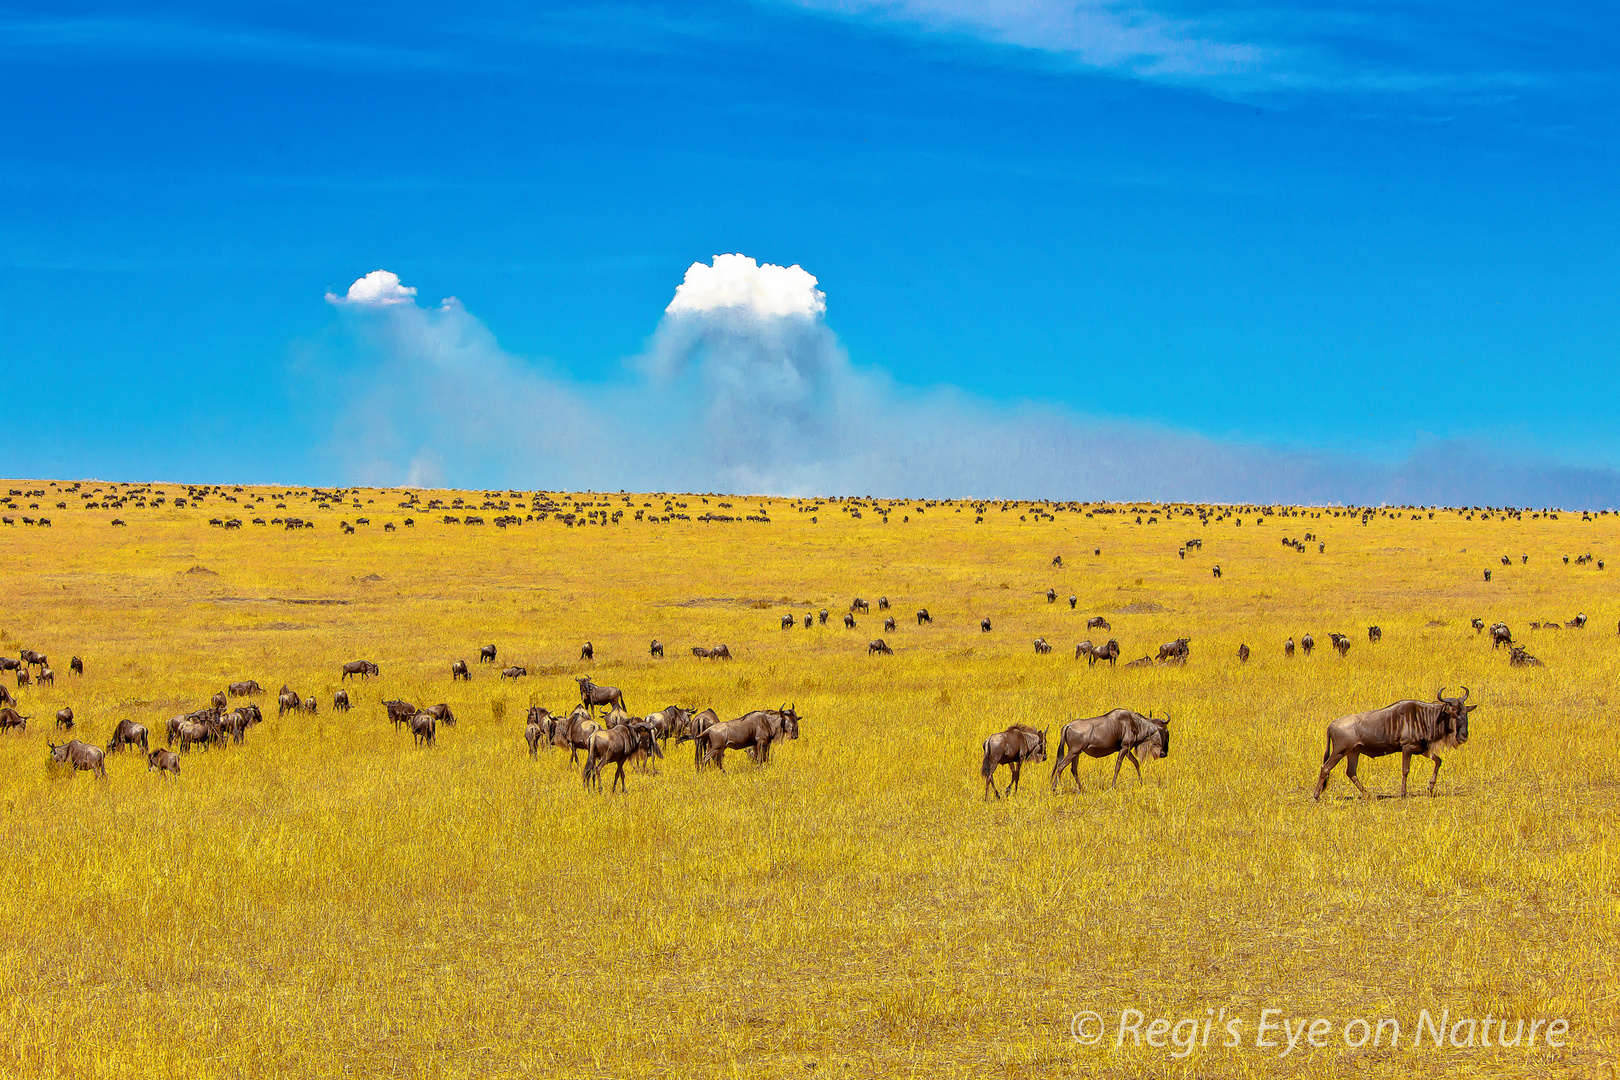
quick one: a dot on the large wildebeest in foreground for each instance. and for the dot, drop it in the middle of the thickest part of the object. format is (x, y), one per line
(1407, 727)
(362, 668)
(1015, 747)
(1119, 731)
(459, 670)
(82, 756)
(615, 746)
(127, 733)
(486, 654)
(591, 695)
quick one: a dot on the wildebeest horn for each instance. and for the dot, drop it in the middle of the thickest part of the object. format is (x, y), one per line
(1465, 693)
(1440, 694)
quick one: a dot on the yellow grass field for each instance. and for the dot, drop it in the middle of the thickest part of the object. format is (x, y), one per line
(326, 899)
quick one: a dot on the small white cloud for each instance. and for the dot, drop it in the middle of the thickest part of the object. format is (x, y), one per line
(380, 288)
(737, 281)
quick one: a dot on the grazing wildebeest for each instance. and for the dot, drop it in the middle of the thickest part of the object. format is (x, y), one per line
(423, 726)
(1506, 561)
(1041, 646)
(516, 671)
(1578, 622)
(64, 718)
(1520, 658)
(861, 606)
(1013, 748)
(701, 650)
(1073, 600)
(11, 718)
(888, 624)
(6, 698)
(883, 603)
(1096, 622)
(616, 746)
(441, 712)
(592, 695)
(22, 677)
(1051, 596)
(288, 701)
(1057, 560)
(459, 670)
(245, 689)
(849, 621)
(1243, 654)
(787, 622)
(822, 616)
(1487, 575)
(46, 675)
(218, 702)
(984, 625)
(1119, 731)
(361, 668)
(164, 761)
(671, 720)
(487, 653)
(8, 664)
(340, 701)
(1374, 633)
(656, 648)
(1216, 570)
(1410, 727)
(127, 733)
(809, 620)
(31, 658)
(1140, 662)
(76, 666)
(587, 651)
(399, 712)
(1500, 635)
(1175, 651)
(924, 617)
(82, 756)
(1306, 644)
(311, 705)
(878, 646)
(1478, 625)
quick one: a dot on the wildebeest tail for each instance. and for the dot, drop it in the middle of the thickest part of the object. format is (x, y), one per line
(987, 768)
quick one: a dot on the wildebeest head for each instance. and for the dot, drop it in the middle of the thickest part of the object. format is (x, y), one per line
(1155, 738)
(1455, 714)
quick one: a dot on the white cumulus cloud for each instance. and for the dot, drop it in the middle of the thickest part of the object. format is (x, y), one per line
(737, 281)
(380, 288)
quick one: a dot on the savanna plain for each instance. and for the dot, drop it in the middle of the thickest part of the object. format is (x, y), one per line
(329, 899)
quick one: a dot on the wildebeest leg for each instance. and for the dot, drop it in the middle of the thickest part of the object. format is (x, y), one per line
(1436, 774)
(1118, 761)
(619, 780)
(1351, 759)
(1406, 765)
(1012, 785)
(1328, 765)
(718, 756)
(1064, 762)
(1130, 756)
(990, 785)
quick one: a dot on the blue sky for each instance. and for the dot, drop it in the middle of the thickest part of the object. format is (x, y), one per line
(1325, 251)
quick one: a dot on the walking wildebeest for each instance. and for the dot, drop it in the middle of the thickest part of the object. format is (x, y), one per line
(1108, 651)
(888, 624)
(787, 622)
(46, 675)
(924, 617)
(218, 702)
(245, 689)
(576, 730)
(1288, 647)
(849, 621)
(1341, 643)
(30, 657)
(458, 670)
(809, 620)
(288, 701)
(616, 746)
(76, 666)
(1013, 748)
(984, 625)
(1041, 646)
(1409, 727)
(883, 603)
(1097, 622)
(127, 733)
(340, 701)
(1500, 635)
(516, 671)
(587, 651)
(487, 653)
(1374, 634)
(878, 646)
(1478, 624)
(822, 616)
(11, 718)
(1243, 654)
(164, 761)
(1051, 596)
(423, 727)
(753, 731)
(64, 718)
(1175, 651)
(1073, 600)
(82, 756)
(1306, 644)
(1119, 731)
(861, 606)
(1216, 571)
(361, 668)
(592, 695)
(656, 648)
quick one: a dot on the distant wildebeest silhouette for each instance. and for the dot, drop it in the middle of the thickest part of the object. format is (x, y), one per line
(587, 652)
(287, 701)
(1041, 646)
(923, 616)
(1374, 633)
(787, 622)
(1073, 600)
(883, 603)
(1018, 745)
(656, 648)
(984, 626)
(809, 620)
(822, 615)
(888, 624)
(878, 646)
(1478, 624)
(64, 718)
(1243, 654)
(849, 621)
(76, 666)
(1407, 727)
(1216, 570)
(1306, 644)
(516, 671)
(1096, 622)
(1519, 657)
(861, 606)
(1500, 635)
(246, 688)
(1051, 596)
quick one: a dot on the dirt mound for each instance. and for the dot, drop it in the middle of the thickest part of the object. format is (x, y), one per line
(1141, 607)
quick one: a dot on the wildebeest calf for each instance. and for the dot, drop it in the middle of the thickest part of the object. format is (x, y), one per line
(1013, 748)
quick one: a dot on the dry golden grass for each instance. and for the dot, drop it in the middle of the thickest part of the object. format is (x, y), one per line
(328, 900)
